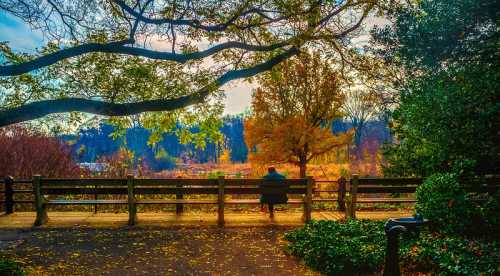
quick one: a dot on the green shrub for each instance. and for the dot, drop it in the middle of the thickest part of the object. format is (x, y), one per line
(441, 200)
(10, 267)
(491, 215)
(451, 255)
(215, 175)
(349, 248)
(357, 247)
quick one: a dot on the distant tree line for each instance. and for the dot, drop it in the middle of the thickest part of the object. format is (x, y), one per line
(90, 145)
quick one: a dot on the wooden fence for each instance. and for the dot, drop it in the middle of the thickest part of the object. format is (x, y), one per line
(348, 192)
(10, 190)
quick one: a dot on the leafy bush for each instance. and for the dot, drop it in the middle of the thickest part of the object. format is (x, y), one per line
(9, 267)
(349, 248)
(357, 247)
(491, 215)
(451, 255)
(24, 153)
(441, 200)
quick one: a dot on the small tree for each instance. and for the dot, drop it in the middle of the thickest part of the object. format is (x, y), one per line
(360, 106)
(292, 112)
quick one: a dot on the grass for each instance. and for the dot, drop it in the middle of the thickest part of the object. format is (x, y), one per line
(10, 267)
(320, 171)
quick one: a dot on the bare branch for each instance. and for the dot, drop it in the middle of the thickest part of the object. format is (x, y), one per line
(192, 22)
(56, 8)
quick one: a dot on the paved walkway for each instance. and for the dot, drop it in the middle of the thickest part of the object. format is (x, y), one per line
(179, 251)
(232, 219)
(78, 243)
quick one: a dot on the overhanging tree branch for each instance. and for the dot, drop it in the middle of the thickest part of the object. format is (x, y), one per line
(120, 48)
(40, 109)
(239, 26)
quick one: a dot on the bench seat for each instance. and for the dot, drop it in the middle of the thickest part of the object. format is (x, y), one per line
(386, 200)
(175, 201)
(257, 201)
(325, 200)
(85, 201)
(203, 201)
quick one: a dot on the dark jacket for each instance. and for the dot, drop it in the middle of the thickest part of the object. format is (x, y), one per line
(274, 198)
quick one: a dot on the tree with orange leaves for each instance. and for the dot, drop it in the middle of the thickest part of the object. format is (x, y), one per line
(292, 111)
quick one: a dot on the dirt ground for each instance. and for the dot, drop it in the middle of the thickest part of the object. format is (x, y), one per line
(152, 250)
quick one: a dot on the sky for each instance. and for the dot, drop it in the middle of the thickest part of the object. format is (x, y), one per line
(20, 36)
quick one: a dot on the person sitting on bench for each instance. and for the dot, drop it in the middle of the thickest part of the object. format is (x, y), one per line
(273, 198)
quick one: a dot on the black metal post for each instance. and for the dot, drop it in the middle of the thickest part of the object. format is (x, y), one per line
(391, 267)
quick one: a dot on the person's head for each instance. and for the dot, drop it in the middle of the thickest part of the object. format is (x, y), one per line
(271, 169)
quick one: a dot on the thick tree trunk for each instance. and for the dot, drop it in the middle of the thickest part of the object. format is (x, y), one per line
(303, 169)
(303, 161)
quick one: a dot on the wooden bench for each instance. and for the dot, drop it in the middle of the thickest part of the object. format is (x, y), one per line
(380, 186)
(220, 187)
(481, 186)
(303, 187)
(138, 189)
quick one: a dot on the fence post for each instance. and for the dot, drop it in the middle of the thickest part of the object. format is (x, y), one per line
(179, 207)
(41, 211)
(95, 198)
(220, 201)
(341, 193)
(9, 195)
(132, 208)
(354, 195)
(308, 199)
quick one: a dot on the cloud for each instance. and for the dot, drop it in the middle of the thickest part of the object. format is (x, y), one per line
(238, 97)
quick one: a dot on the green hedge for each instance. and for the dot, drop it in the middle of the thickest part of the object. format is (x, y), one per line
(443, 201)
(351, 247)
(357, 247)
(451, 255)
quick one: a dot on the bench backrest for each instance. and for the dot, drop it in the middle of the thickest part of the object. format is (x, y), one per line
(388, 185)
(259, 186)
(166, 186)
(53, 186)
(409, 185)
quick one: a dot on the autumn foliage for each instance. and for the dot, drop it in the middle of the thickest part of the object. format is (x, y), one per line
(24, 153)
(292, 113)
